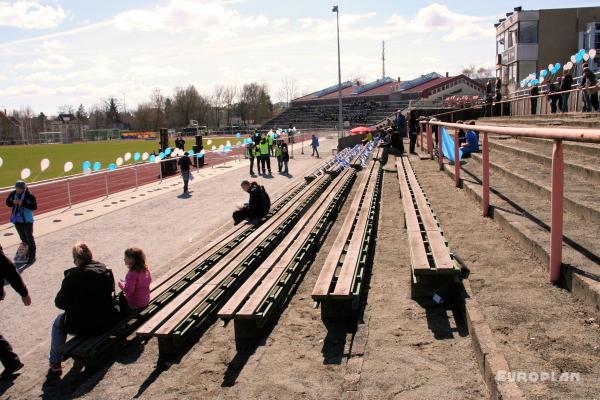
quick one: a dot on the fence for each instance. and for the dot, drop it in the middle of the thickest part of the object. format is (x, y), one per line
(558, 135)
(61, 193)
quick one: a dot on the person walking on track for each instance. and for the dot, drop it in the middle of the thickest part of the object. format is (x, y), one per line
(184, 166)
(23, 203)
(314, 143)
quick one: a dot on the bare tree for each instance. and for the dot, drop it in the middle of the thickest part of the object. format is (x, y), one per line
(66, 109)
(229, 96)
(217, 101)
(157, 101)
(476, 72)
(288, 90)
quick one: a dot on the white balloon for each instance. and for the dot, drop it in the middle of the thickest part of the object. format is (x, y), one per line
(44, 164)
(157, 160)
(221, 147)
(586, 57)
(87, 171)
(542, 79)
(202, 152)
(213, 148)
(238, 143)
(68, 166)
(209, 142)
(119, 161)
(228, 143)
(145, 156)
(25, 173)
(127, 156)
(573, 59)
(568, 66)
(1, 161)
(592, 53)
(550, 67)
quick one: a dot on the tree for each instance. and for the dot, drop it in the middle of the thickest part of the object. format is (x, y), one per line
(66, 109)
(255, 103)
(81, 114)
(477, 72)
(217, 102)
(157, 101)
(229, 95)
(111, 109)
(288, 90)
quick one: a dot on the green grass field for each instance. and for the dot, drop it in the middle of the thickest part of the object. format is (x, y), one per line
(15, 158)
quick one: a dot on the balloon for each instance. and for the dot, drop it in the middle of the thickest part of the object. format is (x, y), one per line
(586, 57)
(119, 161)
(238, 143)
(44, 164)
(557, 67)
(161, 155)
(257, 134)
(213, 148)
(543, 73)
(582, 52)
(68, 166)
(529, 84)
(578, 58)
(152, 157)
(573, 58)
(86, 165)
(145, 156)
(209, 142)
(1, 161)
(238, 135)
(25, 173)
(97, 166)
(550, 67)
(202, 152)
(592, 53)
(228, 143)
(542, 79)
(168, 151)
(136, 157)
(87, 171)
(157, 159)
(112, 166)
(127, 156)
(200, 155)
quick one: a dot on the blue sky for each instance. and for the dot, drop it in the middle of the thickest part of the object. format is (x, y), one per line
(58, 52)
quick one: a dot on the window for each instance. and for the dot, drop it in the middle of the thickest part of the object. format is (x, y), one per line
(512, 73)
(526, 68)
(511, 36)
(528, 32)
(500, 44)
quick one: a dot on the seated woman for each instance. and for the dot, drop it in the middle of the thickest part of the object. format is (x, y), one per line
(471, 144)
(136, 285)
(86, 296)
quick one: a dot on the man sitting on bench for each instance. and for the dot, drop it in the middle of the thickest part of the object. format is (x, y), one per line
(258, 205)
(471, 144)
(86, 295)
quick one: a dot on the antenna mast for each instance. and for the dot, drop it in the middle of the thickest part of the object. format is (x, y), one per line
(383, 56)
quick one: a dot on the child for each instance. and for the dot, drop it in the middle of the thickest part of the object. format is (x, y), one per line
(136, 286)
(285, 158)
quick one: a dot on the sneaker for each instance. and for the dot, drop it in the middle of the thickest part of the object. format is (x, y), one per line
(55, 367)
(10, 372)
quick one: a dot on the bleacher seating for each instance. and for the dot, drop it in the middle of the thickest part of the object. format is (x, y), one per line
(340, 282)
(433, 266)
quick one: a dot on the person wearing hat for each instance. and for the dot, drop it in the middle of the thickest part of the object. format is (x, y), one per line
(23, 203)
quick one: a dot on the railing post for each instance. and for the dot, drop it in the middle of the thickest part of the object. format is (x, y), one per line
(456, 159)
(485, 198)
(106, 183)
(556, 226)
(160, 171)
(440, 148)
(421, 138)
(429, 142)
(69, 193)
(136, 177)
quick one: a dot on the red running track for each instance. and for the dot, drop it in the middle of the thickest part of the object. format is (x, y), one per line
(55, 195)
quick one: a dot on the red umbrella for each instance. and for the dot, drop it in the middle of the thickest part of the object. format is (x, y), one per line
(360, 129)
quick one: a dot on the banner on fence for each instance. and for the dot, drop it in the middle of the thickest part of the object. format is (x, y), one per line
(139, 135)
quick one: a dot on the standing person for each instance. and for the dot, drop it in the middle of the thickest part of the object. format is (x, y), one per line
(278, 155)
(314, 143)
(258, 205)
(533, 98)
(400, 128)
(285, 157)
(413, 131)
(498, 96)
(86, 296)
(135, 287)
(180, 143)
(553, 98)
(265, 159)
(489, 98)
(590, 85)
(8, 273)
(270, 142)
(251, 154)
(184, 166)
(257, 138)
(23, 203)
(566, 85)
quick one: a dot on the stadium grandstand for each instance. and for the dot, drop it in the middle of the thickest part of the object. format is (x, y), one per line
(367, 104)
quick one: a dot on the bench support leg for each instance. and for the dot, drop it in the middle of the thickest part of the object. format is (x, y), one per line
(338, 309)
(425, 286)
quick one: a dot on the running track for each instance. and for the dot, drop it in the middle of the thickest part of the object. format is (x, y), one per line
(54, 195)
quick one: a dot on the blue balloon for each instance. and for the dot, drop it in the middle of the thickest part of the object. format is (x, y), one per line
(200, 155)
(557, 66)
(161, 155)
(582, 52)
(137, 156)
(190, 152)
(97, 166)
(257, 134)
(167, 151)
(578, 58)
(86, 165)
(543, 73)
(238, 135)
(112, 166)
(152, 158)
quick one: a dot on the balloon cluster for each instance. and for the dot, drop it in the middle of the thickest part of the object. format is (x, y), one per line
(580, 57)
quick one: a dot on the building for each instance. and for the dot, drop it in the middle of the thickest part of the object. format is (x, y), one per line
(70, 127)
(11, 131)
(528, 41)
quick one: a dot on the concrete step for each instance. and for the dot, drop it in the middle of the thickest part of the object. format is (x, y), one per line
(566, 120)
(576, 163)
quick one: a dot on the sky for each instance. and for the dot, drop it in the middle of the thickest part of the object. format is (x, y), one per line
(71, 52)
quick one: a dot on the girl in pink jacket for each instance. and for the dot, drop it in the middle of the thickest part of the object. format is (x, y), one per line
(136, 286)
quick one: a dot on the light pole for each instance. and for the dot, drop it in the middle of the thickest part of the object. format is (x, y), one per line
(336, 10)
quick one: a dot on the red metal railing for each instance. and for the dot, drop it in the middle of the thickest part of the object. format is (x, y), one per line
(557, 190)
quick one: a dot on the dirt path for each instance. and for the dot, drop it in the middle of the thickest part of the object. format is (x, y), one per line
(539, 328)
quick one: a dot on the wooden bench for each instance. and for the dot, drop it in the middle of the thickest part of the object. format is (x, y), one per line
(339, 285)
(195, 307)
(255, 304)
(92, 350)
(431, 260)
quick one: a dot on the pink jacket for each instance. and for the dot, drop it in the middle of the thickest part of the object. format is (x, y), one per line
(137, 288)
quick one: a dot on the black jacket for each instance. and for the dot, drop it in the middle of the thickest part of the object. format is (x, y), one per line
(9, 273)
(29, 202)
(259, 203)
(86, 295)
(567, 83)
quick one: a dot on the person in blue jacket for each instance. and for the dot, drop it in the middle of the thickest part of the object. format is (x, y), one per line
(23, 203)
(471, 144)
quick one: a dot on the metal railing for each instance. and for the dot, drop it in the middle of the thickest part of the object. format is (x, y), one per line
(558, 135)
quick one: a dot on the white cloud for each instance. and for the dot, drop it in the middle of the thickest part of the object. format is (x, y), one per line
(206, 16)
(280, 21)
(52, 61)
(3, 77)
(144, 72)
(44, 76)
(29, 14)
